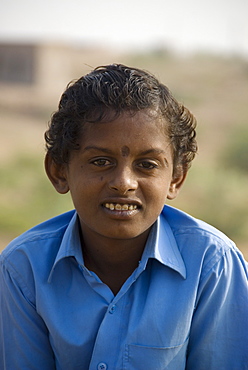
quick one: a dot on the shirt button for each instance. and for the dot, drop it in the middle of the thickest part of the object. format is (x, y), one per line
(112, 309)
(102, 366)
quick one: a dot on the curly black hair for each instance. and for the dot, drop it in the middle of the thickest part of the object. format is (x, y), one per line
(109, 91)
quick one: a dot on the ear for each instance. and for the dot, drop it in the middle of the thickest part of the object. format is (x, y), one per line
(56, 174)
(176, 184)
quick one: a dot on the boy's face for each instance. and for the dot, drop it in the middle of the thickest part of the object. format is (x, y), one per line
(120, 178)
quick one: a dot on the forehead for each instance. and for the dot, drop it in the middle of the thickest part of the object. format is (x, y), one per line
(128, 133)
(125, 151)
(126, 123)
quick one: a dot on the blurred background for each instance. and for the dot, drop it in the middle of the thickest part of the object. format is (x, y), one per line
(198, 48)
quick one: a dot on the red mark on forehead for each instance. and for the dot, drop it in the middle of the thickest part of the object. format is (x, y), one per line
(125, 151)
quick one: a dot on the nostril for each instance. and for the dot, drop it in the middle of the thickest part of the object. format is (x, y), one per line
(121, 190)
(123, 187)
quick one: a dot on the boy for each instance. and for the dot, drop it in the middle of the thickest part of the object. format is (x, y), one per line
(122, 282)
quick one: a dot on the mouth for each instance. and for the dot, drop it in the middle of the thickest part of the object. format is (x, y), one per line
(120, 207)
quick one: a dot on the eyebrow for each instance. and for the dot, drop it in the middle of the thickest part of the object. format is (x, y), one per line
(109, 151)
(153, 150)
(98, 148)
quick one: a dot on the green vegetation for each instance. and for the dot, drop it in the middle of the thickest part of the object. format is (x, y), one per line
(235, 155)
(27, 197)
(219, 197)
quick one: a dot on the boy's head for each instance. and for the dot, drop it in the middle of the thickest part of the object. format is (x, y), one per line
(109, 91)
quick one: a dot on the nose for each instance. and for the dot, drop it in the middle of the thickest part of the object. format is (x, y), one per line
(123, 180)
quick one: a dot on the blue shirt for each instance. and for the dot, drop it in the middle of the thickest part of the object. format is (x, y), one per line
(184, 307)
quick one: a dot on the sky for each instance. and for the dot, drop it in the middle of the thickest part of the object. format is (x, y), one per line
(183, 25)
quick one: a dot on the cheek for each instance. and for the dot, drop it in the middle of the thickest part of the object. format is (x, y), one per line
(87, 191)
(157, 193)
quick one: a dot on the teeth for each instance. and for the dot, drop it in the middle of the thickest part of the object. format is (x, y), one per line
(120, 207)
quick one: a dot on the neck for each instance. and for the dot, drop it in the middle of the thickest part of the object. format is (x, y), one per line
(113, 260)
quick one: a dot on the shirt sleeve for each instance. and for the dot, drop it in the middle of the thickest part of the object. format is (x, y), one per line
(24, 342)
(219, 331)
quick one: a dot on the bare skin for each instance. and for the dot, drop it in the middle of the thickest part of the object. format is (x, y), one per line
(114, 265)
(125, 151)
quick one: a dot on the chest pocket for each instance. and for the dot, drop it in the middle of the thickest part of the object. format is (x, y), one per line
(155, 358)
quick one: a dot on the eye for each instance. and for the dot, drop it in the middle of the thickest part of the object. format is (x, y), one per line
(101, 162)
(147, 165)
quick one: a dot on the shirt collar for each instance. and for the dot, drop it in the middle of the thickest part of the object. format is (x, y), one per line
(161, 245)
(70, 245)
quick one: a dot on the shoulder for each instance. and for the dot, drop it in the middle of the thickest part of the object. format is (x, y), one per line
(47, 235)
(183, 224)
(27, 261)
(200, 244)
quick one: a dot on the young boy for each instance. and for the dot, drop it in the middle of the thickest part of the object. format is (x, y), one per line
(122, 282)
